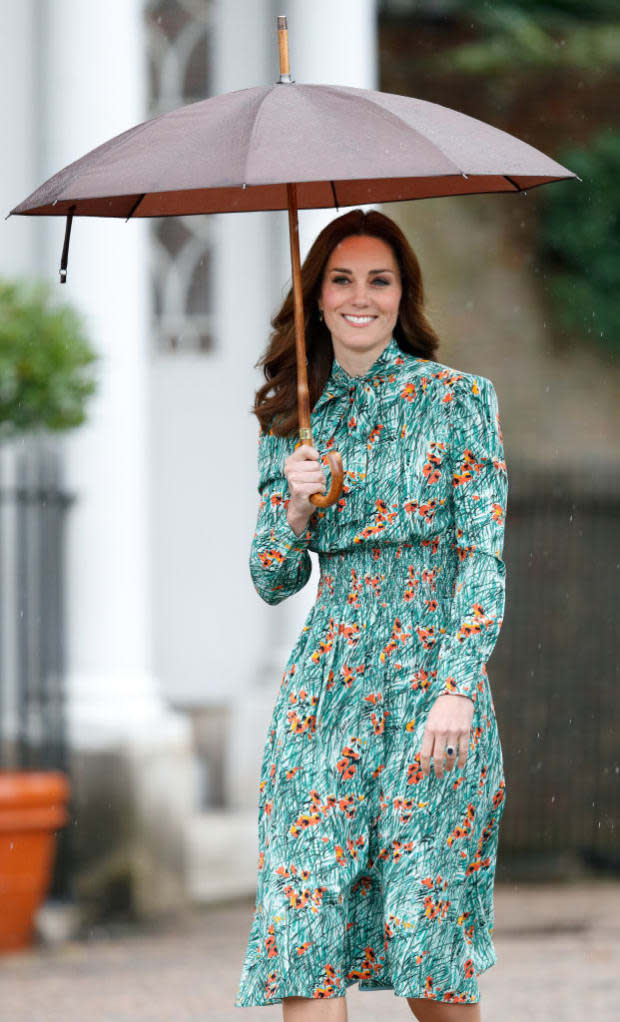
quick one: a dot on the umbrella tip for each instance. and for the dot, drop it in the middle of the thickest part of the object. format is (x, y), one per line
(285, 70)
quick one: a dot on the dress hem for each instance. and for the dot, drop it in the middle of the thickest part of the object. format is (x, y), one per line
(468, 999)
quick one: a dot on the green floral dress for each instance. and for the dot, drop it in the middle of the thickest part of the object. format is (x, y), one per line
(369, 872)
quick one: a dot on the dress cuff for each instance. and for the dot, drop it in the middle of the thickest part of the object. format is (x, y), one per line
(463, 678)
(283, 534)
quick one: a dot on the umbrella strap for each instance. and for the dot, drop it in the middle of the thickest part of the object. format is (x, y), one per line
(65, 248)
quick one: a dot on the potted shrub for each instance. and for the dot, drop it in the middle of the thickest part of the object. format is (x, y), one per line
(45, 381)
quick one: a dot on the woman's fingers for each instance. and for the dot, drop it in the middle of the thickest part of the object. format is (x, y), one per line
(304, 451)
(304, 474)
(306, 482)
(452, 740)
(448, 724)
(439, 749)
(426, 751)
(434, 744)
(463, 747)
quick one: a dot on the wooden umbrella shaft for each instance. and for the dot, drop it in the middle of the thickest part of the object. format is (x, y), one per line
(303, 394)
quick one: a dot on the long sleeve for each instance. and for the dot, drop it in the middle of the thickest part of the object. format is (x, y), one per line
(279, 561)
(480, 494)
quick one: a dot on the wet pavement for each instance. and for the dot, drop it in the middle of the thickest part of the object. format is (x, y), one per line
(558, 951)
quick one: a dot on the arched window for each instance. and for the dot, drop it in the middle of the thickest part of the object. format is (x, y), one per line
(178, 34)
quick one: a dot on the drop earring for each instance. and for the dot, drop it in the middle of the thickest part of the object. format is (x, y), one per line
(320, 315)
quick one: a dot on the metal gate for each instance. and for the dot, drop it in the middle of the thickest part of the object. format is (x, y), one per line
(33, 511)
(555, 673)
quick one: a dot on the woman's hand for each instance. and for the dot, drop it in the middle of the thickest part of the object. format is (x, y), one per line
(305, 477)
(448, 723)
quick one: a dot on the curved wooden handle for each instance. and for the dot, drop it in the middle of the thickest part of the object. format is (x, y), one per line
(335, 489)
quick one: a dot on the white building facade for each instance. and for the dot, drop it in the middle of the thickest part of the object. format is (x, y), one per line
(173, 662)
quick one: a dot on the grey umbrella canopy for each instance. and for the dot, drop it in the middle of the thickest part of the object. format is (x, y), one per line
(342, 146)
(290, 146)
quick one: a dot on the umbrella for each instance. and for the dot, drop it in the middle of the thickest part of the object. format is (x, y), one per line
(290, 146)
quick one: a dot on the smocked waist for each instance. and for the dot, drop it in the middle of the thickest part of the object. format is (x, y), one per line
(407, 569)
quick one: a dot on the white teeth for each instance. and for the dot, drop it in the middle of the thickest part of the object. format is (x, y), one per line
(359, 319)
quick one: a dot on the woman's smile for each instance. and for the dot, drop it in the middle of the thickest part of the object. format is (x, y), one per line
(358, 320)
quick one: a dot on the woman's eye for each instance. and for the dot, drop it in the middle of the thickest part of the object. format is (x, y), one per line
(337, 280)
(380, 280)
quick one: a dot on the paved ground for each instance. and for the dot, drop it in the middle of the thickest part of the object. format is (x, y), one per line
(558, 950)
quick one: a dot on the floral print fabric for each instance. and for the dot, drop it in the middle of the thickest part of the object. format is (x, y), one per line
(369, 872)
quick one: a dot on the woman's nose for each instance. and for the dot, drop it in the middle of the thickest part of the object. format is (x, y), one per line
(360, 295)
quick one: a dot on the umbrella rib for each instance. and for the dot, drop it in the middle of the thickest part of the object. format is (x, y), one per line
(512, 182)
(335, 196)
(253, 132)
(135, 206)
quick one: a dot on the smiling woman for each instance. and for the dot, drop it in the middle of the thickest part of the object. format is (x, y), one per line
(352, 285)
(382, 784)
(359, 300)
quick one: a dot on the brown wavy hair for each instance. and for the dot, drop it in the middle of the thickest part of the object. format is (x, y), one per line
(413, 332)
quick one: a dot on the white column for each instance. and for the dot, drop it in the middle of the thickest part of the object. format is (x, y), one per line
(205, 436)
(246, 291)
(245, 637)
(19, 131)
(94, 88)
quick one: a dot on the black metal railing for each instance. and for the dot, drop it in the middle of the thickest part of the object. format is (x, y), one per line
(555, 671)
(33, 511)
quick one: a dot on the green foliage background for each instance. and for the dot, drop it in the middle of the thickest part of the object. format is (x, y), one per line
(45, 361)
(579, 237)
(503, 47)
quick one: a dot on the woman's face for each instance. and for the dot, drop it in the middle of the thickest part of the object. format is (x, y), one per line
(360, 294)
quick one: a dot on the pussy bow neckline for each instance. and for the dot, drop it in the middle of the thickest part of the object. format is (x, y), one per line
(358, 403)
(375, 382)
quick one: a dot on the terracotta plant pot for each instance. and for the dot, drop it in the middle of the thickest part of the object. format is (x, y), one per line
(32, 808)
